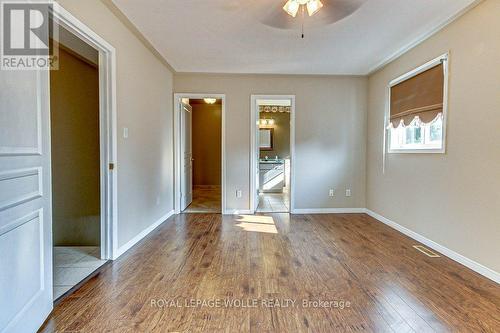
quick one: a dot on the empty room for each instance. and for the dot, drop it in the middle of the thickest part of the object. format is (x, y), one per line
(249, 166)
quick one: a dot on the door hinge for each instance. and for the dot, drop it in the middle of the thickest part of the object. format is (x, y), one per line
(111, 166)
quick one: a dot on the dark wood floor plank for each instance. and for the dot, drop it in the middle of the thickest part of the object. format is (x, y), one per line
(416, 275)
(323, 276)
(350, 257)
(375, 272)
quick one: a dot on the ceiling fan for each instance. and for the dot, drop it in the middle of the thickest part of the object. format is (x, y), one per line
(292, 7)
(312, 13)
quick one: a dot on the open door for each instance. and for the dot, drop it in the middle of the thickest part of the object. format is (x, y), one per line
(256, 167)
(186, 157)
(25, 209)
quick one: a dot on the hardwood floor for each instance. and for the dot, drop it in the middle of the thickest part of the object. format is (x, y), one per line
(390, 286)
(205, 200)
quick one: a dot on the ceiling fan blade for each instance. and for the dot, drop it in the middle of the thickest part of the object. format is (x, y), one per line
(273, 15)
(280, 20)
(232, 5)
(336, 10)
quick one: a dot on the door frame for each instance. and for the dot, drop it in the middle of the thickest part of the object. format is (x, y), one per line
(107, 127)
(254, 119)
(177, 146)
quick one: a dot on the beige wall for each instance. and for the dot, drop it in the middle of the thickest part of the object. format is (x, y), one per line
(330, 133)
(144, 105)
(74, 113)
(207, 149)
(281, 137)
(452, 199)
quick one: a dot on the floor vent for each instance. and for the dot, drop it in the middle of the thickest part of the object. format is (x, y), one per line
(426, 251)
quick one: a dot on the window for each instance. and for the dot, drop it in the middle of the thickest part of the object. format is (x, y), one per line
(417, 112)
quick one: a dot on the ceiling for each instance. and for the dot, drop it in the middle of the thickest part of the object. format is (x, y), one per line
(239, 36)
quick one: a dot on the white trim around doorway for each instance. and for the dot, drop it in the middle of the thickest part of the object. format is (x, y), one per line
(107, 127)
(254, 118)
(177, 158)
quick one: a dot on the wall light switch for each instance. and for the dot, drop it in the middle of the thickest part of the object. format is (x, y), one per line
(332, 192)
(239, 194)
(348, 192)
(125, 132)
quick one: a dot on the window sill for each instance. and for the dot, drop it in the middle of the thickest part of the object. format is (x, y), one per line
(417, 151)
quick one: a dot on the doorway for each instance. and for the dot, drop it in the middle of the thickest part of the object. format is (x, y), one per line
(83, 151)
(272, 147)
(199, 156)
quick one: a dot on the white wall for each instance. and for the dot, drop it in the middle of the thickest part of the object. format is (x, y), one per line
(144, 105)
(330, 133)
(452, 199)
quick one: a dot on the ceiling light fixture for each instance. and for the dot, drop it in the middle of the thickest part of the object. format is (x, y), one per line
(210, 100)
(292, 6)
(266, 122)
(313, 7)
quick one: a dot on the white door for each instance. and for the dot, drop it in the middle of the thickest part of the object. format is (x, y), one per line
(186, 157)
(25, 204)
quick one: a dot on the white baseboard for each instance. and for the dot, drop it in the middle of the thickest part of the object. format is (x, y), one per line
(475, 266)
(124, 248)
(306, 211)
(329, 211)
(238, 212)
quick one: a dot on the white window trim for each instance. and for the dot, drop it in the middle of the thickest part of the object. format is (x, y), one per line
(418, 149)
(426, 133)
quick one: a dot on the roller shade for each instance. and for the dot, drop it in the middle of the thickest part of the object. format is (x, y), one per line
(421, 95)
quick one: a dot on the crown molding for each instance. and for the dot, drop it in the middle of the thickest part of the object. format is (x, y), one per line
(405, 49)
(137, 33)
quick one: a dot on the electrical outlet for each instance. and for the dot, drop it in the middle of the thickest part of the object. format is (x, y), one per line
(125, 132)
(332, 192)
(348, 192)
(239, 194)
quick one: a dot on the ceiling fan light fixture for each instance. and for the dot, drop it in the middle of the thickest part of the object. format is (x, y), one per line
(313, 6)
(292, 7)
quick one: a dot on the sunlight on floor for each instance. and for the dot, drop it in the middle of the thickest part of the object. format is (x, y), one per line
(257, 223)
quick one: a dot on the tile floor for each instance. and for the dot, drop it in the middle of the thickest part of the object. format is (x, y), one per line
(72, 264)
(273, 203)
(205, 200)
